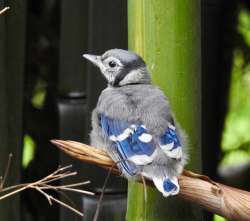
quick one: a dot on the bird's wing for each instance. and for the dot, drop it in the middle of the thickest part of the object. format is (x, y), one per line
(170, 142)
(135, 146)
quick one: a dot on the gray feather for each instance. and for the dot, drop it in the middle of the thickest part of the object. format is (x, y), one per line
(139, 103)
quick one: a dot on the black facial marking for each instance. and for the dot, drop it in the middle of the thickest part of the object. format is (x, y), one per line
(139, 63)
(119, 78)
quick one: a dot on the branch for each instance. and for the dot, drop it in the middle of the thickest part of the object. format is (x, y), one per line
(226, 201)
(45, 184)
(4, 10)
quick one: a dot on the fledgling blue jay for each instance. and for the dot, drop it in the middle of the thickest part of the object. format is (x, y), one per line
(134, 124)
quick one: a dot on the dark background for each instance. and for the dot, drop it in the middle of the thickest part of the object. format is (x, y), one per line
(41, 43)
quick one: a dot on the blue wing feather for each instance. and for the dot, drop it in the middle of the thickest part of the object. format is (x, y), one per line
(170, 142)
(134, 144)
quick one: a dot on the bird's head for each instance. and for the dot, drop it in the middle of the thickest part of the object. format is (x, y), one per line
(121, 67)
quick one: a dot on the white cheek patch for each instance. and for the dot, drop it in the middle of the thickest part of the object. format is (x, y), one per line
(109, 76)
(131, 77)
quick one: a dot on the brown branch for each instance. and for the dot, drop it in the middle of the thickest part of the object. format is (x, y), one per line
(226, 201)
(4, 10)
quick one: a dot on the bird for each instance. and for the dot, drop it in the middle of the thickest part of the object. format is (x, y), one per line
(134, 124)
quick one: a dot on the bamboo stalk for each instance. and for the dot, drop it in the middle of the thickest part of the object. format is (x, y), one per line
(229, 202)
(165, 33)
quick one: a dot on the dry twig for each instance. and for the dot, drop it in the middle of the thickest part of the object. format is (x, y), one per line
(102, 195)
(3, 179)
(226, 201)
(4, 10)
(46, 184)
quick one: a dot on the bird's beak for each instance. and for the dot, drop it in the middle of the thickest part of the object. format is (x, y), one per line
(96, 60)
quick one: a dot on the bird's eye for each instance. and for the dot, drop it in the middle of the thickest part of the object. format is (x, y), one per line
(112, 64)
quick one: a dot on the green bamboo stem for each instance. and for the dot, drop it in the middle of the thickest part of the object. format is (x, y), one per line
(167, 35)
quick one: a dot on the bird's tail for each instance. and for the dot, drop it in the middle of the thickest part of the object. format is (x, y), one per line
(167, 186)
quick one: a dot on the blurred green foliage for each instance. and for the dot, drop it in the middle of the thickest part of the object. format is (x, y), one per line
(219, 218)
(37, 101)
(28, 150)
(236, 135)
(39, 95)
